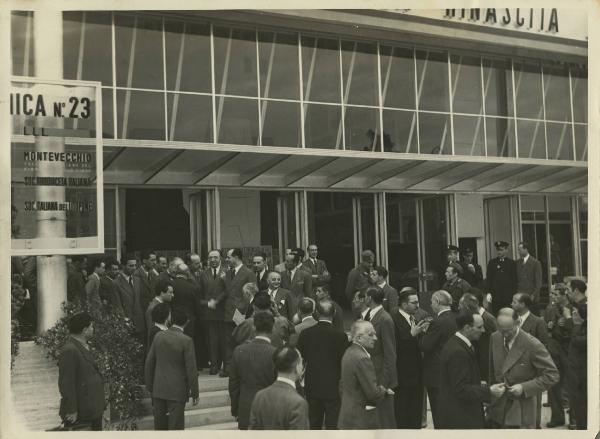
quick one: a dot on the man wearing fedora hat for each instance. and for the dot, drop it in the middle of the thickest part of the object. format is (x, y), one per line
(501, 279)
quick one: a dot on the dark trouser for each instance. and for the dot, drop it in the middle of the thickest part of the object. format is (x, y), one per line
(229, 327)
(385, 413)
(216, 342)
(323, 409)
(578, 409)
(201, 343)
(555, 393)
(168, 415)
(408, 404)
(432, 393)
(424, 414)
(97, 424)
(500, 302)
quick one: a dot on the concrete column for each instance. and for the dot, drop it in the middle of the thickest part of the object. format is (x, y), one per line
(51, 270)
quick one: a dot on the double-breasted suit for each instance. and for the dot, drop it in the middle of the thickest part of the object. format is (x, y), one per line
(318, 269)
(213, 285)
(132, 303)
(527, 363)
(300, 285)
(501, 282)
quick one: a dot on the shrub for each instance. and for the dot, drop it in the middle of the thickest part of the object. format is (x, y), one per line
(119, 357)
(17, 299)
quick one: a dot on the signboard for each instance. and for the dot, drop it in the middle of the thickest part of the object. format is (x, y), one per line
(556, 22)
(56, 167)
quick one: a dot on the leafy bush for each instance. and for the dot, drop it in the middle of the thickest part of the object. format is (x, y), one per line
(17, 299)
(119, 357)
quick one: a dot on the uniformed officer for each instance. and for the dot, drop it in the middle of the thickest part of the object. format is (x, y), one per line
(452, 257)
(454, 284)
(473, 273)
(501, 278)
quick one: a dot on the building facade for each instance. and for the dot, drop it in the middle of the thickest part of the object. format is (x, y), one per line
(395, 131)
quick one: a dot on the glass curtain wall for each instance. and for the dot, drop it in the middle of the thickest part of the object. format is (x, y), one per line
(176, 80)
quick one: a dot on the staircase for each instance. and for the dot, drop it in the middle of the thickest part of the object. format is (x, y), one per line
(36, 400)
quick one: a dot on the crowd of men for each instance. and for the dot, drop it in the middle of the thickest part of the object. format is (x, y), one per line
(483, 357)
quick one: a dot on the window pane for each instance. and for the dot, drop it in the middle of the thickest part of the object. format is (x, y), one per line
(323, 126)
(362, 129)
(238, 121)
(500, 137)
(139, 52)
(187, 49)
(89, 124)
(466, 84)
(110, 224)
(581, 142)
(432, 77)
(497, 87)
(469, 135)
(560, 141)
(557, 94)
(583, 217)
(141, 115)
(359, 67)
(94, 43)
(235, 62)
(321, 69)
(561, 238)
(399, 131)
(190, 117)
(434, 133)
(21, 26)
(281, 124)
(528, 90)
(531, 139)
(580, 88)
(397, 77)
(279, 70)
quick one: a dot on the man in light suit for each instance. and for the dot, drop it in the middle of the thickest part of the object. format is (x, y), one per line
(281, 297)
(171, 374)
(316, 267)
(128, 287)
(163, 293)
(92, 286)
(305, 313)
(379, 276)
(431, 343)
(279, 406)
(383, 353)
(251, 368)
(237, 276)
(359, 390)
(529, 273)
(523, 364)
(296, 279)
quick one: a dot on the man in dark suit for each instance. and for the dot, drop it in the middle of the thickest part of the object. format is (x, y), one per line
(472, 272)
(76, 279)
(521, 362)
(108, 290)
(322, 293)
(281, 297)
(359, 276)
(529, 273)
(163, 293)
(259, 264)
(146, 277)
(79, 380)
(171, 374)
(92, 286)
(359, 390)
(383, 353)
(462, 393)
(128, 287)
(296, 279)
(379, 276)
(529, 322)
(501, 278)
(431, 343)
(454, 284)
(316, 267)
(408, 398)
(161, 319)
(214, 288)
(473, 303)
(251, 368)
(171, 271)
(322, 346)
(279, 406)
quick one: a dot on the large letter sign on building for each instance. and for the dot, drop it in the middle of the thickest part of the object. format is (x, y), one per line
(56, 167)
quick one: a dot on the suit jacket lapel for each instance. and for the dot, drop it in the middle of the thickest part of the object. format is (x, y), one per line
(514, 354)
(403, 324)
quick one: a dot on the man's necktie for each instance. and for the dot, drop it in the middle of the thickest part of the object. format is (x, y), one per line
(131, 281)
(290, 274)
(214, 273)
(506, 347)
(368, 316)
(412, 321)
(257, 279)
(231, 273)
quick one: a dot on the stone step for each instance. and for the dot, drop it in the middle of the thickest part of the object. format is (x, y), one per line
(219, 398)
(223, 426)
(195, 418)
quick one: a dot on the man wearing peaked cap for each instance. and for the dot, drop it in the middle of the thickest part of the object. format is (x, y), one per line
(501, 279)
(452, 258)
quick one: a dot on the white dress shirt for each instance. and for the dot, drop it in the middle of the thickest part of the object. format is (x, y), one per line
(465, 339)
(288, 381)
(407, 317)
